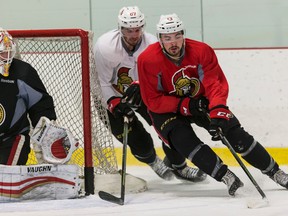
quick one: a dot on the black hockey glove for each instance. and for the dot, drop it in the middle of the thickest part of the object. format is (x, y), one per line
(215, 126)
(132, 94)
(119, 108)
(219, 116)
(202, 104)
(191, 106)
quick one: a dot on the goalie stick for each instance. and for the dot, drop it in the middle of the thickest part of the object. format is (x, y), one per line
(107, 196)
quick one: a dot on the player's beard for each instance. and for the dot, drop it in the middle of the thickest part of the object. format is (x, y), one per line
(174, 51)
(132, 41)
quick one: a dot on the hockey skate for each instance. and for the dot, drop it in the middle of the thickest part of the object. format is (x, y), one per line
(187, 173)
(280, 178)
(232, 182)
(161, 169)
(190, 174)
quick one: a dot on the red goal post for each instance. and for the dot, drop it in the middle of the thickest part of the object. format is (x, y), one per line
(65, 62)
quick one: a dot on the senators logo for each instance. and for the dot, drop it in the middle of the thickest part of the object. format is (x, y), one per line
(2, 114)
(123, 80)
(184, 84)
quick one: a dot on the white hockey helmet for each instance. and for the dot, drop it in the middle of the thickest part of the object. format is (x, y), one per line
(131, 17)
(7, 51)
(169, 23)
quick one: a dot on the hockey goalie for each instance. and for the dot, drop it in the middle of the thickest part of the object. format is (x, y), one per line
(24, 102)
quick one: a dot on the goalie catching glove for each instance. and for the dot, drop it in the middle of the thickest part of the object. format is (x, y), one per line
(56, 144)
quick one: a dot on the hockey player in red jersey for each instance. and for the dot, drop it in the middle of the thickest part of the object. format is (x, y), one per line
(181, 81)
(116, 54)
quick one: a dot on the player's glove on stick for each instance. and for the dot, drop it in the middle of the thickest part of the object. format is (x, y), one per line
(191, 106)
(219, 116)
(119, 108)
(132, 94)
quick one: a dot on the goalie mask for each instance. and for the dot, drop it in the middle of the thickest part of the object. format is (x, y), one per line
(7, 52)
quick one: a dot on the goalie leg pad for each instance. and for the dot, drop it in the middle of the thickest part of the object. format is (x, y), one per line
(41, 182)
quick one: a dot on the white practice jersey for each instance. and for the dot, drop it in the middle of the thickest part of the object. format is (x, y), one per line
(117, 68)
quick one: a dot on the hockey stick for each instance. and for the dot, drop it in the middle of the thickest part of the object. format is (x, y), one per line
(107, 196)
(250, 203)
(227, 143)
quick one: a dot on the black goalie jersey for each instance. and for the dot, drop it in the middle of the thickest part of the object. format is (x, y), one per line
(22, 93)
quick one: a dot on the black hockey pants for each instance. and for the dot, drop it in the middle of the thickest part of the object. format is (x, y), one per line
(177, 132)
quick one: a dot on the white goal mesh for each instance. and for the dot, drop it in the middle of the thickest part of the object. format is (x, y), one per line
(64, 61)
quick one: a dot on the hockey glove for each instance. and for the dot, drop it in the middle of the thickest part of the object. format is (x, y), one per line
(53, 144)
(119, 108)
(191, 106)
(219, 116)
(132, 94)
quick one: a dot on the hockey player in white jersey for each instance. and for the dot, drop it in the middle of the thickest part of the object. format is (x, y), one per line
(116, 54)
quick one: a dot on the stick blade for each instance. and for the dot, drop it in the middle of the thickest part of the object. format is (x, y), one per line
(110, 198)
(253, 203)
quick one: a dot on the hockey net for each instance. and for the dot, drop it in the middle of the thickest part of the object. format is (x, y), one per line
(64, 61)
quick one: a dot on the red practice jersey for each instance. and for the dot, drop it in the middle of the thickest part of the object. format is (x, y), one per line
(163, 83)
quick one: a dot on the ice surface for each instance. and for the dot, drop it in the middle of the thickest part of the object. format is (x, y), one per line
(173, 198)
